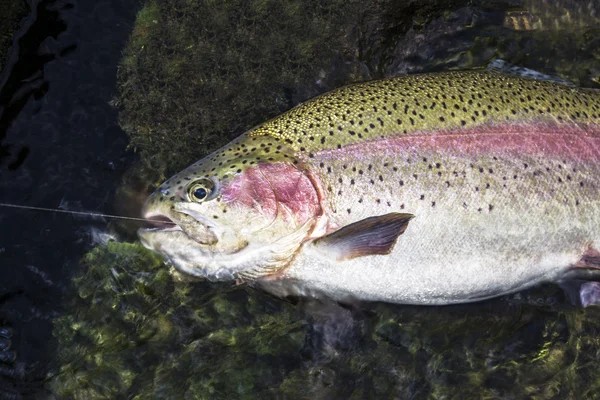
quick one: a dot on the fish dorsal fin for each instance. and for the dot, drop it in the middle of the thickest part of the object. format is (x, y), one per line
(370, 236)
(502, 67)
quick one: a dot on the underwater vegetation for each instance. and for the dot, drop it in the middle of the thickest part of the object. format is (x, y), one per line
(197, 74)
(156, 333)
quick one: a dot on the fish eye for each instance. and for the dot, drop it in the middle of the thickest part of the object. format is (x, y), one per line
(200, 190)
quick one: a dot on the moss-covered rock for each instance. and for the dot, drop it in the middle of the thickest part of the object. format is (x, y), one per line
(196, 75)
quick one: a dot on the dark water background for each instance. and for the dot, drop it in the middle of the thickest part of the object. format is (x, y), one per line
(60, 146)
(123, 327)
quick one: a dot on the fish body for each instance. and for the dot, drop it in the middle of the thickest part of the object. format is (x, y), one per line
(423, 189)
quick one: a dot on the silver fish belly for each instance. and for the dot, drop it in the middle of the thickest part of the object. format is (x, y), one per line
(489, 220)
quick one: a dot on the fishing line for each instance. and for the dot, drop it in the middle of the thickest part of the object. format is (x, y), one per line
(92, 214)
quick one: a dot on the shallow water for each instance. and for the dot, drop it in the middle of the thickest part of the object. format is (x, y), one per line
(117, 324)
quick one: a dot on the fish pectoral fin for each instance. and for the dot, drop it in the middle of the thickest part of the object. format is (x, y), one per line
(370, 236)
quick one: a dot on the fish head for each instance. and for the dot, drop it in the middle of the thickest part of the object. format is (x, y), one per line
(241, 211)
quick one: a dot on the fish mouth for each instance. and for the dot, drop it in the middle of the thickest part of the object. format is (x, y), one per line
(195, 227)
(160, 222)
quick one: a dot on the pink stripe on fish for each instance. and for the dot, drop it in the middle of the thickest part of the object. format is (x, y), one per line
(549, 140)
(275, 189)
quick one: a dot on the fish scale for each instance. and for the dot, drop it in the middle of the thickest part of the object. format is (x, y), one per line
(492, 182)
(417, 180)
(417, 104)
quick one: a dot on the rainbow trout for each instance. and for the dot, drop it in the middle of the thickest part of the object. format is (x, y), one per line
(424, 189)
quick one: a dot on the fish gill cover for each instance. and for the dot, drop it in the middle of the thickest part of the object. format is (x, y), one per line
(198, 74)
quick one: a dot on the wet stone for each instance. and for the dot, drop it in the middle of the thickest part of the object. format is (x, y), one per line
(6, 332)
(8, 356)
(5, 344)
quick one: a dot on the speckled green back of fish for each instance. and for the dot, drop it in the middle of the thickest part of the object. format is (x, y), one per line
(500, 173)
(405, 105)
(421, 103)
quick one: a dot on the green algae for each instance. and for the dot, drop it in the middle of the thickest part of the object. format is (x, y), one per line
(522, 351)
(136, 330)
(188, 64)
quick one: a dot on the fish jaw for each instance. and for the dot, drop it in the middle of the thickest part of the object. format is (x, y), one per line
(178, 218)
(248, 262)
(188, 239)
(194, 248)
